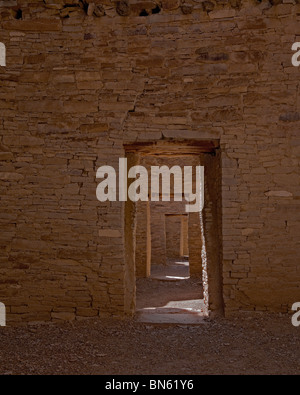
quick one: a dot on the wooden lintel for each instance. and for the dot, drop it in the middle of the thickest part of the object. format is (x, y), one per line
(173, 148)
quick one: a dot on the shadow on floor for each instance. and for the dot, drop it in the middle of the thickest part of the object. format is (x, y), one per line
(170, 296)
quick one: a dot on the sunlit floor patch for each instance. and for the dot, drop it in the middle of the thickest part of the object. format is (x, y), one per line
(169, 278)
(170, 296)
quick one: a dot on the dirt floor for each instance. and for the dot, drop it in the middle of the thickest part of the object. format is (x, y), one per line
(170, 295)
(266, 344)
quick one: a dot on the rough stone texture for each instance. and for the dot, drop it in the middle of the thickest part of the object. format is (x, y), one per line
(173, 235)
(77, 87)
(184, 242)
(143, 253)
(195, 244)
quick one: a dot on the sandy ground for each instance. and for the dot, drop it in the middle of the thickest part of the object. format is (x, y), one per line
(261, 345)
(155, 293)
(265, 345)
(170, 295)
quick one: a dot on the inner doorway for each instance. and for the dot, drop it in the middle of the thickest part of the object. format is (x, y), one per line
(166, 245)
(173, 290)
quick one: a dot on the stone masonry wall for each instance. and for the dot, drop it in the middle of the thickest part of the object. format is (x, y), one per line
(83, 79)
(173, 236)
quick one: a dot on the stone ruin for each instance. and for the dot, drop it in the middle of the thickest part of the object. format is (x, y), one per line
(89, 82)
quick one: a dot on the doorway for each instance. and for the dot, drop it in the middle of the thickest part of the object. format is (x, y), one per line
(163, 243)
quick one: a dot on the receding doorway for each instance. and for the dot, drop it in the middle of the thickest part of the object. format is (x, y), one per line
(173, 260)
